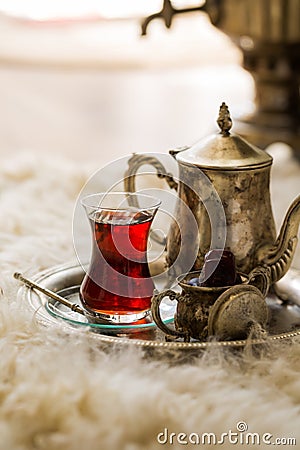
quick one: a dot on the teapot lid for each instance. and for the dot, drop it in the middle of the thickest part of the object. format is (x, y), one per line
(224, 151)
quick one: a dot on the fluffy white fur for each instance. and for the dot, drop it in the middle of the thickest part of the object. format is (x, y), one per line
(57, 391)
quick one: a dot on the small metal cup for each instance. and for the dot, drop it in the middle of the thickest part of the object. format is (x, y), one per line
(227, 312)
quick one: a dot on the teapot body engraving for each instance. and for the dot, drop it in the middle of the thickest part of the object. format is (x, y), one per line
(246, 201)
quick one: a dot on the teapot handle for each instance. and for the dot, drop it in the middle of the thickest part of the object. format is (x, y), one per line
(155, 303)
(134, 163)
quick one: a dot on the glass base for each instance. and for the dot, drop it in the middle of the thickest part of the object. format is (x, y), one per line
(115, 319)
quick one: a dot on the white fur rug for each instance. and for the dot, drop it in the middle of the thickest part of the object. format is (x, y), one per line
(56, 392)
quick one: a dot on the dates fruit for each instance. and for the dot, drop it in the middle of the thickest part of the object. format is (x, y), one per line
(219, 269)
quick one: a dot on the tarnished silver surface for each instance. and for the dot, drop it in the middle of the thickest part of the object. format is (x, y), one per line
(224, 151)
(284, 318)
(227, 312)
(245, 198)
(279, 256)
(53, 295)
(268, 33)
(193, 308)
(225, 173)
(238, 312)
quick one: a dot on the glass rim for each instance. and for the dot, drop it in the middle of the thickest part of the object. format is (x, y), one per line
(102, 195)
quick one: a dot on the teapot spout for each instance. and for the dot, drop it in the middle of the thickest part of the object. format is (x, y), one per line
(279, 256)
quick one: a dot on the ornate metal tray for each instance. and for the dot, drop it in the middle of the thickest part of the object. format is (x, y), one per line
(65, 280)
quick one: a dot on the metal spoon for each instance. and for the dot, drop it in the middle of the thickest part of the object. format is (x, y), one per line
(58, 298)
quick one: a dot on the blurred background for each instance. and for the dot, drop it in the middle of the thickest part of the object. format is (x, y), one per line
(78, 79)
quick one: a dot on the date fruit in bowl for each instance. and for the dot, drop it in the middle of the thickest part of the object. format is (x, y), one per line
(219, 269)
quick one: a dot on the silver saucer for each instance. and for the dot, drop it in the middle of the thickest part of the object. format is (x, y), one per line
(284, 308)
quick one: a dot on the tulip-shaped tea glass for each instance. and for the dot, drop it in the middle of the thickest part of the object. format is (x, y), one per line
(117, 287)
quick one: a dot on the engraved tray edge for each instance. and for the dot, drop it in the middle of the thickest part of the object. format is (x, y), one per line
(35, 302)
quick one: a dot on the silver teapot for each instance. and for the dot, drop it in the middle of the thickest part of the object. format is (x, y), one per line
(224, 182)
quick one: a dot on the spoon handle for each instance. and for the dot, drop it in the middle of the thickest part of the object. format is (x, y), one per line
(49, 293)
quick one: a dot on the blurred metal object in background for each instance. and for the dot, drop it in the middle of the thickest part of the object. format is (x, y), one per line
(268, 33)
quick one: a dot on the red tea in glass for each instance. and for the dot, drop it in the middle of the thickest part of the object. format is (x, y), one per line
(118, 287)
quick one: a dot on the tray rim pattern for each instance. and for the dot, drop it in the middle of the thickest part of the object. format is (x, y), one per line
(26, 293)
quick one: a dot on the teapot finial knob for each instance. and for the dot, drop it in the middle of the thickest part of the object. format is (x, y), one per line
(224, 120)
